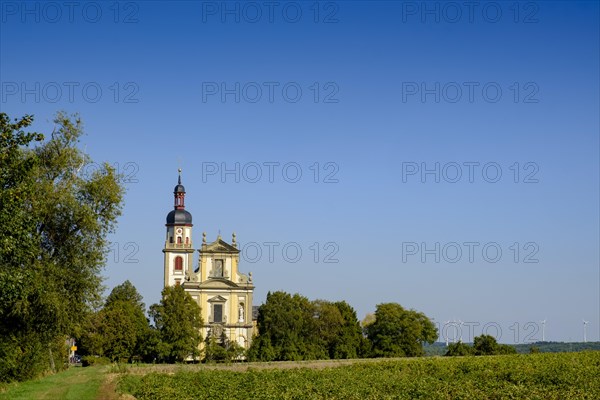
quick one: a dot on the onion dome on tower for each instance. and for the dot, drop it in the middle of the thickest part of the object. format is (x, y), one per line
(179, 216)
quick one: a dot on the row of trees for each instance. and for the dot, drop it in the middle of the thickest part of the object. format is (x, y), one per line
(484, 345)
(290, 327)
(120, 330)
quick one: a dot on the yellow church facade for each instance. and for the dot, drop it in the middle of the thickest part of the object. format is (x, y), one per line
(223, 293)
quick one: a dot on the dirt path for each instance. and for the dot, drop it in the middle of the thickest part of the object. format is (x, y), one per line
(242, 367)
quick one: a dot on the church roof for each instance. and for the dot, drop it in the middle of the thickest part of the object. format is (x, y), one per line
(179, 217)
(219, 246)
(179, 188)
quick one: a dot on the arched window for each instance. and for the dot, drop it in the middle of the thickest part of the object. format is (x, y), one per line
(178, 263)
(179, 239)
(187, 240)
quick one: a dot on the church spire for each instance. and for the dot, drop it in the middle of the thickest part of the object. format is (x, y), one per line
(179, 194)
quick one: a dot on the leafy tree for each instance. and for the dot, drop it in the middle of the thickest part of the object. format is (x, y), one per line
(53, 228)
(214, 350)
(459, 349)
(178, 320)
(485, 345)
(398, 332)
(293, 328)
(327, 328)
(367, 320)
(218, 348)
(128, 293)
(261, 349)
(338, 326)
(118, 330)
(284, 323)
(506, 349)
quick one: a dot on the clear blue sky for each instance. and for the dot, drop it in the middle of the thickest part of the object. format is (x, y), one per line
(369, 94)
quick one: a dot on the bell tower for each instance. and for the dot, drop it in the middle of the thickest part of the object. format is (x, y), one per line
(222, 291)
(178, 250)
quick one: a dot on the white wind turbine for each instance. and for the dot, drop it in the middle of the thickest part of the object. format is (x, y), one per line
(460, 324)
(446, 335)
(585, 330)
(456, 324)
(543, 330)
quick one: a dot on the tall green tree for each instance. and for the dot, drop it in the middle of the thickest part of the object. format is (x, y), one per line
(54, 224)
(178, 320)
(286, 330)
(119, 330)
(459, 349)
(397, 332)
(290, 327)
(486, 345)
(350, 342)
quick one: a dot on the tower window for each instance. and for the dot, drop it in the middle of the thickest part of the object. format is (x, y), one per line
(179, 239)
(178, 263)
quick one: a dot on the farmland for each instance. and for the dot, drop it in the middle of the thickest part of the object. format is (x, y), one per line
(538, 376)
(527, 376)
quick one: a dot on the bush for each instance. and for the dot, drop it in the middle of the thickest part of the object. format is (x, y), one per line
(90, 361)
(459, 349)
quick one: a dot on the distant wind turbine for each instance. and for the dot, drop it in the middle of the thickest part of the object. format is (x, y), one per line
(460, 324)
(544, 330)
(585, 330)
(446, 335)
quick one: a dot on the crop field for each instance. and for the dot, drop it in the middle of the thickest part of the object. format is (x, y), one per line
(535, 376)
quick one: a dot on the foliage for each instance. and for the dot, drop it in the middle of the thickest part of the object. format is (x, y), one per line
(178, 320)
(537, 376)
(53, 228)
(293, 328)
(284, 327)
(119, 330)
(557, 347)
(397, 332)
(484, 345)
(221, 349)
(459, 349)
(214, 350)
(89, 361)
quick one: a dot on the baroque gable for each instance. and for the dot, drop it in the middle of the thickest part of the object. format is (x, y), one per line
(219, 246)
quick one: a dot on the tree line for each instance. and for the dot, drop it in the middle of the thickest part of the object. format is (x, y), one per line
(290, 328)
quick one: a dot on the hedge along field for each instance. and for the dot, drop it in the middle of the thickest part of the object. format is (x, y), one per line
(534, 376)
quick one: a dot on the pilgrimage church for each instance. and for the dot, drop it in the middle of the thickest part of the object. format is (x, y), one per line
(222, 291)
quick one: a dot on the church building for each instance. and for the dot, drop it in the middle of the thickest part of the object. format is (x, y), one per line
(222, 291)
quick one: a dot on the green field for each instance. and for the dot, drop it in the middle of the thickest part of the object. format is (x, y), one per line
(536, 376)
